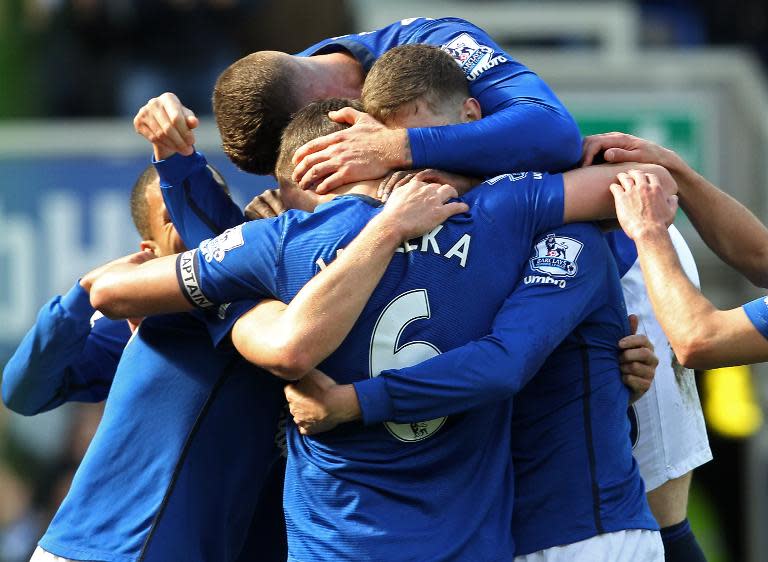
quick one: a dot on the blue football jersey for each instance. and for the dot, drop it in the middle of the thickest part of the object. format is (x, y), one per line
(176, 467)
(395, 491)
(553, 344)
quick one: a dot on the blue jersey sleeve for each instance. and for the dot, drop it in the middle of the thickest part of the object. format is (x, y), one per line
(525, 125)
(522, 204)
(63, 358)
(198, 207)
(566, 271)
(757, 311)
(239, 264)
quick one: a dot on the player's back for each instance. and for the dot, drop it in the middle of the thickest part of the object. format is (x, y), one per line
(419, 491)
(182, 450)
(574, 471)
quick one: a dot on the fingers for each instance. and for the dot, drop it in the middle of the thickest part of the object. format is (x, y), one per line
(635, 340)
(393, 181)
(264, 206)
(455, 208)
(310, 148)
(643, 355)
(347, 115)
(633, 323)
(313, 168)
(336, 179)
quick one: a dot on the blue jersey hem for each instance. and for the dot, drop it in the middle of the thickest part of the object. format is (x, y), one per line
(83, 554)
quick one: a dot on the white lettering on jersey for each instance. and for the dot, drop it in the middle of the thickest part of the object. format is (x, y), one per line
(517, 176)
(216, 248)
(429, 240)
(190, 283)
(460, 249)
(556, 256)
(471, 56)
(544, 280)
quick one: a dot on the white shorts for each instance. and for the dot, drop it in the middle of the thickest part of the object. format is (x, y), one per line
(635, 545)
(670, 438)
(41, 555)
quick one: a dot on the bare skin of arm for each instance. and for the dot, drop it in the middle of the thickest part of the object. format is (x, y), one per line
(702, 336)
(291, 340)
(731, 230)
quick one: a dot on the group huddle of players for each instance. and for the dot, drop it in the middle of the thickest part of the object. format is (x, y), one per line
(471, 400)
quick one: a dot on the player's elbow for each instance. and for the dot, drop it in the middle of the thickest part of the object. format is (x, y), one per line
(12, 398)
(697, 349)
(284, 360)
(292, 364)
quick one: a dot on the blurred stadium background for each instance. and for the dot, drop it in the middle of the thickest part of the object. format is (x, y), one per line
(690, 74)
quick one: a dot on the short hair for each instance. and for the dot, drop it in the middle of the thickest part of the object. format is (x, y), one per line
(308, 124)
(140, 205)
(409, 72)
(253, 100)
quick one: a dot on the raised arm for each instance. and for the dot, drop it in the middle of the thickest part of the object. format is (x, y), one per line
(198, 206)
(731, 230)
(702, 336)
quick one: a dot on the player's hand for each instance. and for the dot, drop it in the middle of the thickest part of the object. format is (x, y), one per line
(418, 207)
(136, 258)
(168, 125)
(318, 404)
(399, 178)
(367, 150)
(621, 147)
(267, 205)
(637, 362)
(642, 206)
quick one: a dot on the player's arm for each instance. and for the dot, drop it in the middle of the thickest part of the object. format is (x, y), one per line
(587, 195)
(702, 336)
(198, 206)
(532, 322)
(730, 229)
(66, 356)
(290, 341)
(526, 127)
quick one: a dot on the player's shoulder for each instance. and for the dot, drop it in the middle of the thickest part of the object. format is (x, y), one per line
(514, 190)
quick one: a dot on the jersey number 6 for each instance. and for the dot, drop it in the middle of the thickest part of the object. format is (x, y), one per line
(387, 353)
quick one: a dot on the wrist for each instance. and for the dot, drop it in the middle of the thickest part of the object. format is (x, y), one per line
(651, 234)
(343, 403)
(389, 233)
(402, 158)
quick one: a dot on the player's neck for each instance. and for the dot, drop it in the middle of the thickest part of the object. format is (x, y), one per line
(368, 188)
(335, 75)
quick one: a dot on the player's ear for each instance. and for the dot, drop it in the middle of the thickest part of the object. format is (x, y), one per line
(470, 110)
(148, 245)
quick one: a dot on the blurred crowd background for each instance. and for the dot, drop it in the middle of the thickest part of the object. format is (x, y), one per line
(83, 59)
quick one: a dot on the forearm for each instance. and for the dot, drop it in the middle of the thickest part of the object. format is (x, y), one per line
(522, 137)
(292, 341)
(135, 291)
(688, 319)
(731, 230)
(198, 206)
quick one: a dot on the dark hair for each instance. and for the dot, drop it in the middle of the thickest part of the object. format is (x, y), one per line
(409, 72)
(308, 124)
(140, 206)
(253, 101)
